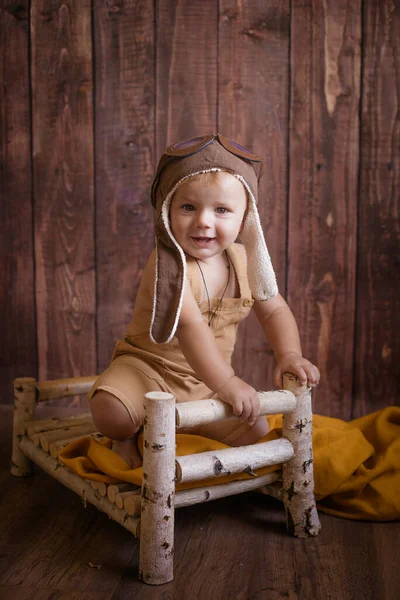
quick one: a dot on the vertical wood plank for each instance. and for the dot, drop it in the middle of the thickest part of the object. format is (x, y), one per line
(186, 56)
(63, 187)
(324, 131)
(124, 97)
(377, 371)
(253, 109)
(18, 356)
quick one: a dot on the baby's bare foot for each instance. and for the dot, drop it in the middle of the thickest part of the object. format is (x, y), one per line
(128, 450)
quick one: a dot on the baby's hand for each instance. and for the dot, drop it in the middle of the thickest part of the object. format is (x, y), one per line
(292, 362)
(243, 399)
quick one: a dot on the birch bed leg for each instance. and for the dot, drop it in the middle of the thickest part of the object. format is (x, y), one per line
(24, 406)
(158, 489)
(298, 473)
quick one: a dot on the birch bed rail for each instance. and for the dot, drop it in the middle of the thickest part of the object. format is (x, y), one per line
(148, 511)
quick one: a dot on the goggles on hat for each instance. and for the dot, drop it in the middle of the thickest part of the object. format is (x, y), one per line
(189, 147)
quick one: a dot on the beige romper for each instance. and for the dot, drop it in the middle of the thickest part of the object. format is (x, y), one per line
(139, 365)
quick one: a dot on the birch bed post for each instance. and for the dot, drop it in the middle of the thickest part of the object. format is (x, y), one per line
(24, 406)
(158, 489)
(298, 473)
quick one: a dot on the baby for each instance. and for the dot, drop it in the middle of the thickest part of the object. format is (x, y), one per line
(198, 284)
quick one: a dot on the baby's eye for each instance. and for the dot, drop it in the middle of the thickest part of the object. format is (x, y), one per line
(187, 207)
(221, 210)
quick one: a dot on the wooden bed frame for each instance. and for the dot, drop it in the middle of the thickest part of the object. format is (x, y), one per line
(148, 511)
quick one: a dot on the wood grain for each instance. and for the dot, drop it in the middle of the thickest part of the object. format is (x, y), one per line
(62, 123)
(377, 371)
(18, 354)
(124, 146)
(186, 70)
(253, 110)
(324, 130)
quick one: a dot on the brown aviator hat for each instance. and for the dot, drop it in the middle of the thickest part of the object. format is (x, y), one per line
(179, 162)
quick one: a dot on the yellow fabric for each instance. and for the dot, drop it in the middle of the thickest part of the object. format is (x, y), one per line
(356, 464)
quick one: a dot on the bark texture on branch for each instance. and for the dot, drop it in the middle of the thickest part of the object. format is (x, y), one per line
(189, 414)
(25, 393)
(46, 437)
(158, 489)
(33, 427)
(241, 459)
(132, 503)
(298, 473)
(63, 388)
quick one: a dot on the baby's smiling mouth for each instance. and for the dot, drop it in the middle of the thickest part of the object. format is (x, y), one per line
(202, 241)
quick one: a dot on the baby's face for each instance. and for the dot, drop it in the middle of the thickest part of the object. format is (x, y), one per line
(206, 219)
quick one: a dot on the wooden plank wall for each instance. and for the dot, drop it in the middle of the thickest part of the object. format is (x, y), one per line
(324, 162)
(377, 340)
(18, 348)
(91, 93)
(63, 190)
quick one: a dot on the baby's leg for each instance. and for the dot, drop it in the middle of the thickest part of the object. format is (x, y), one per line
(253, 435)
(113, 420)
(232, 432)
(111, 417)
(116, 402)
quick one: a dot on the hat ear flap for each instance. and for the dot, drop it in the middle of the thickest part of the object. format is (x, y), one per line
(168, 294)
(169, 279)
(246, 212)
(260, 272)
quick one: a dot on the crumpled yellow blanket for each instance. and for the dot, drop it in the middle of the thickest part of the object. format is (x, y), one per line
(356, 463)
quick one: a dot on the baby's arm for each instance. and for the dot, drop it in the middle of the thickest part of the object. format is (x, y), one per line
(206, 359)
(281, 330)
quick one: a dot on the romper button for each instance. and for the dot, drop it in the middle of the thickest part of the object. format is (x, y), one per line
(247, 302)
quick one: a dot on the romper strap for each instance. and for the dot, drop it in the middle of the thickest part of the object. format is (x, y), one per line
(194, 281)
(237, 254)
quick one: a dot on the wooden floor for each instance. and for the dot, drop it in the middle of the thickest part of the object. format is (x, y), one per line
(51, 547)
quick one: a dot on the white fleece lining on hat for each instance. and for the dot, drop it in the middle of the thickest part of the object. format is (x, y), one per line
(165, 217)
(260, 272)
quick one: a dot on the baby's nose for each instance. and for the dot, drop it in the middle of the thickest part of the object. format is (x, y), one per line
(204, 218)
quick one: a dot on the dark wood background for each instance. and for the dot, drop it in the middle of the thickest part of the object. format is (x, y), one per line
(91, 93)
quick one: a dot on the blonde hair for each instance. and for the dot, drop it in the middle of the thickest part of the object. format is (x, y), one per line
(210, 177)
